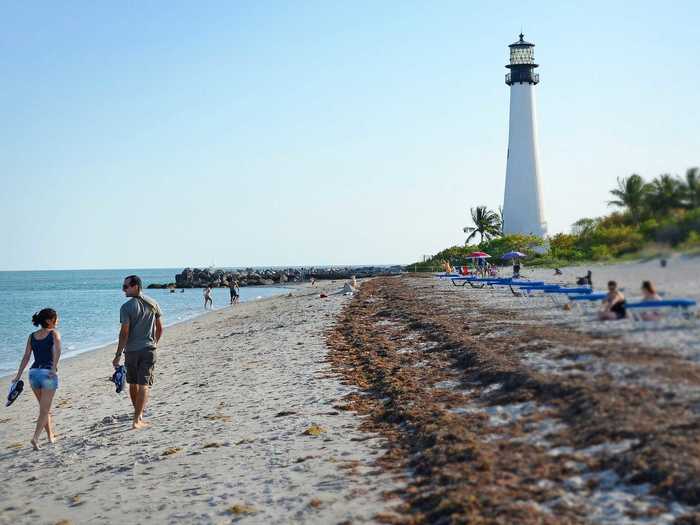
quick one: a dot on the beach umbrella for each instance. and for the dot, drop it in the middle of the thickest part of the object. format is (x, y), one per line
(478, 255)
(512, 255)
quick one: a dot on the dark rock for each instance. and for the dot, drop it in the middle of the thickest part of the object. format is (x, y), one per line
(199, 278)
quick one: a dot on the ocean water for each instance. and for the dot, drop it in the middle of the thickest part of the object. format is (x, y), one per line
(87, 302)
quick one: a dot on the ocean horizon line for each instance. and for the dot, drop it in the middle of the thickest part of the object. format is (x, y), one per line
(239, 267)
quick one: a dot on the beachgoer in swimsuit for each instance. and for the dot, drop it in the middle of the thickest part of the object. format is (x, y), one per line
(613, 305)
(207, 297)
(233, 291)
(45, 345)
(649, 294)
(141, 330)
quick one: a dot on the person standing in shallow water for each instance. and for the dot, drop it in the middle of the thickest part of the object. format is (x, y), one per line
(141, 330)
(234, 291)
(207, 297)
(45, 344)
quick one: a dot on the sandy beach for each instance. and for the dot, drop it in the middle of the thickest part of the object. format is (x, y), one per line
(413, 401)
(245, 427)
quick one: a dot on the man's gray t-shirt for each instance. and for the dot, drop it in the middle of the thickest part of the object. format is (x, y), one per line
(141, 314)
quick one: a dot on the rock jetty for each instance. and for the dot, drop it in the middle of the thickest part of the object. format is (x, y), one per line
(200, 278)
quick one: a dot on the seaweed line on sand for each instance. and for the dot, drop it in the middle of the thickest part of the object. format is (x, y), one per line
(483, 437)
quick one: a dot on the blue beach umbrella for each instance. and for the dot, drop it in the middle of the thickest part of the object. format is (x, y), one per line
(512, 255)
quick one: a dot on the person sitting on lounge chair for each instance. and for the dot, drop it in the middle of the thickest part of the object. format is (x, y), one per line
(649, 294)
(586, 280)
(613, 304)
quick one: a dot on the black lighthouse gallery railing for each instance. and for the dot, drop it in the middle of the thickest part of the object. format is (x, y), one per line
(522, 76)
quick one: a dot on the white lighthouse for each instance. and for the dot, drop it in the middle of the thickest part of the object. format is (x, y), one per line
(522, 203)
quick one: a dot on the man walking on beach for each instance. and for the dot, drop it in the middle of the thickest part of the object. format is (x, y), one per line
(141, 329)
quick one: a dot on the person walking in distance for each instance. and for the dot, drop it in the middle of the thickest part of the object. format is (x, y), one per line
(207, 297)
(234, 291)
(141, 330)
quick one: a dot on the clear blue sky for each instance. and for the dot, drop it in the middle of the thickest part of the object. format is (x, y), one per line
(166, 134)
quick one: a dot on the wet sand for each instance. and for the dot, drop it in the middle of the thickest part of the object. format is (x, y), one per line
(245, 427)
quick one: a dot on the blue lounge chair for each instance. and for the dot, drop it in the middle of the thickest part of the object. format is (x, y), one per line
(586, 298)
(575, 290)
(481, 281)
(591, 297)
(528, 289)
(677, 305)
(445, 275)
(563, 290)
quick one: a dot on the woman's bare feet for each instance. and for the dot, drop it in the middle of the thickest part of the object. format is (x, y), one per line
(52, 438)
(35, 444)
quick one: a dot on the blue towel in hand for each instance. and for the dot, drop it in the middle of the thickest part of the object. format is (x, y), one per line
(15, 391)
(119, 377)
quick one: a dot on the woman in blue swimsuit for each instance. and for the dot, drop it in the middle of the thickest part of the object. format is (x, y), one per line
(45, 345)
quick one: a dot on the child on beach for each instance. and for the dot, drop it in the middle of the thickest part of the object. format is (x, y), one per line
(613, 305)
(45, 345)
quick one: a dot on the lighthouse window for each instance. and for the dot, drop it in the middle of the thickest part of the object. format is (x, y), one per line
(521, 55)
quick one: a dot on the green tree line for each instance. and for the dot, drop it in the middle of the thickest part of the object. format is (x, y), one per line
(662, 213)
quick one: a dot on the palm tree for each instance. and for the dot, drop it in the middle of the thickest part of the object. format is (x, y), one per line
(692, 187)
(665, 193)
(631, 194)
(500, 219)
(486, 223)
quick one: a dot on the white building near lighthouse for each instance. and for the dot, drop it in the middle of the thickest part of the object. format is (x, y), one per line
(522, 203)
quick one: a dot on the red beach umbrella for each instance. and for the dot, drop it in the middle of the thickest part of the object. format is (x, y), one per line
(479, 255)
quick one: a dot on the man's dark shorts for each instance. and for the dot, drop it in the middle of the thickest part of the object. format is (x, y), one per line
(140, 367)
